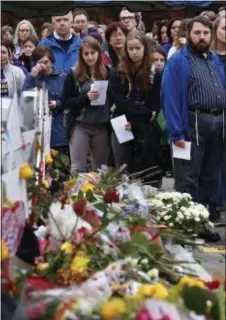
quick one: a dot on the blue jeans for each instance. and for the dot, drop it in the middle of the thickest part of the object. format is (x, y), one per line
(199, 175)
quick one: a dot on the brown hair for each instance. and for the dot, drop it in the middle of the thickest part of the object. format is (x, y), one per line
(78, 12)
(7, 28)
(82, 70)
(126, 67)
(201, 20)
(47, 25)
(9, 45)
(42, 51)
(209, 15)
(114, 27)
(182, 32)
(215, 27)
(32, 39)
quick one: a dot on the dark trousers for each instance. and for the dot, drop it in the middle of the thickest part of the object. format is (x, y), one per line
(123, 153)
(199, 175)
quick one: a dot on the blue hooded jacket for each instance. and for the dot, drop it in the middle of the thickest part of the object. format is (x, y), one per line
(174, 92)
(63, 60)
(54, 84)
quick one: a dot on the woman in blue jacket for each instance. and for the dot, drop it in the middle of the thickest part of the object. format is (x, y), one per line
(43, 73)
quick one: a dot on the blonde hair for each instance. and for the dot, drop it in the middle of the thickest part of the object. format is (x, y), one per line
(16, 38)
(214, 32)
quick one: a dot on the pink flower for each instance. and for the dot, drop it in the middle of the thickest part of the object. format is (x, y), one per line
(143, 315)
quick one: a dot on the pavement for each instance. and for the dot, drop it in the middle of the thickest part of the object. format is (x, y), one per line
(213, 262)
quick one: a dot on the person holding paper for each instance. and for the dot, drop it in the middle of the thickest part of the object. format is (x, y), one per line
(87, 122)
(134, 88)
(194, 104)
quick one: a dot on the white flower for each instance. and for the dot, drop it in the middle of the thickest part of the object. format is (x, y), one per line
(62, 221)
(211, 224)
(144, 261)
(132, 262)
(166, 218)
(180, 215)
(153, 273)
(197, 219)
(171, 224)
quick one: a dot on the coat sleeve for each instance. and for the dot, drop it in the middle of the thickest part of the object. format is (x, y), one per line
(29, 82)
(20, 80)
(155, 93)
(71, 97)
(171, 99)
(122, 102)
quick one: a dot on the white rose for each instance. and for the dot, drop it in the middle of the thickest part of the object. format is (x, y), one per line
(197, 219)
(180, 215)
(144, 261)
(153, 273)
(171, 224)
(166, 218)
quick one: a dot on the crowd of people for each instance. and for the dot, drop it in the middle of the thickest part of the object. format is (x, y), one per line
(169, 83)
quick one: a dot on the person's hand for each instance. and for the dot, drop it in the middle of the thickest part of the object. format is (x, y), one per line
(128, 127)
(179, 143)
(36, 70)
(52, 104)
(182, 40)
(93, 95)
(153, 115)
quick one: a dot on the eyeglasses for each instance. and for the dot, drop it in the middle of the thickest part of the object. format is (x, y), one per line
(24, 30)
(129, 18)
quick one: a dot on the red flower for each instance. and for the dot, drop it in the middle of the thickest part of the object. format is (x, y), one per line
(111, 197)
(80, 235)
(38, 283)
(212, 285)
(79, 206)
(91, 217)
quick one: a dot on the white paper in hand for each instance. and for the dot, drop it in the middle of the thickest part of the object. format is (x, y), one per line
(182, 153)
(119, 125)
(101, 87)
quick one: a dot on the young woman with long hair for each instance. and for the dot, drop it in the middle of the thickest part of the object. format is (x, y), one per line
(135, 91)
(219, 41)
(180, 39)
(87, 125)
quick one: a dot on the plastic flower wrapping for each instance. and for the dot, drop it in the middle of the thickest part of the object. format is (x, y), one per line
(107, 252)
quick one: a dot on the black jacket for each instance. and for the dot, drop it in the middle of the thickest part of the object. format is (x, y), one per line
(135, 111)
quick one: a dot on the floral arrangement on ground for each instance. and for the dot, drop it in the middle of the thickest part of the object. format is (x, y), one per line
(103, 249)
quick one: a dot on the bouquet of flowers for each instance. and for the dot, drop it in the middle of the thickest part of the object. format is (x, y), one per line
(178, 211)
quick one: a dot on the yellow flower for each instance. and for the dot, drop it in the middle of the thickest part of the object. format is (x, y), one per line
(157, 291)
(70, 184)
(67, 247)
(80, 262)
(53, 153)
(38, 147)
(88, 186)
(191, 282)
(26, 171)
(42, 266)
(45, 184)
(4, 251)
(116, 307)
(48, 159)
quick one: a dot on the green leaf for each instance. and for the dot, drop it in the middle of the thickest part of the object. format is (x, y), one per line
(195, 299)
(90, 197)
(65, 159)
(101, 206)
(140, 239)
(218, 309)
(80, 195)
(58, 164)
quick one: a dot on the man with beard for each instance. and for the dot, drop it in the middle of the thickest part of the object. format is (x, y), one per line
(194, 104)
